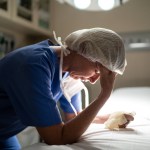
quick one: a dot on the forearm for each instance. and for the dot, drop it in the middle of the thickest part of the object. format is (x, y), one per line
(73, 129)
(101, 119)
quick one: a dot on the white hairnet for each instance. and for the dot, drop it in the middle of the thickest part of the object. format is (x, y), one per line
(99, 45)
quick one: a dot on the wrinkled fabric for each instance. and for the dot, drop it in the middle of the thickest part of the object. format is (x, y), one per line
(99, 45)
(116, 119)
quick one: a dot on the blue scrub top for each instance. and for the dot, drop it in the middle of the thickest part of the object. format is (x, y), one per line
(30, 89)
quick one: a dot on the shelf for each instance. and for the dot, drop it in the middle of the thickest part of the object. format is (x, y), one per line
(23, 27)
(22, 19)
(24, 10)
(24, 13)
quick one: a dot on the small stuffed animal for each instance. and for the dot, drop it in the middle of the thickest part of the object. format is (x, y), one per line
(116, 120)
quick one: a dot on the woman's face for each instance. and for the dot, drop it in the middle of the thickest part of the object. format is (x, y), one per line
(85, 70)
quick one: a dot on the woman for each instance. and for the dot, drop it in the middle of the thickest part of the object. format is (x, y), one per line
(30, 85)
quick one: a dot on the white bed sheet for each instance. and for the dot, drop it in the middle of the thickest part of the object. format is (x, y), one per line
(135, 137)
(136, 99)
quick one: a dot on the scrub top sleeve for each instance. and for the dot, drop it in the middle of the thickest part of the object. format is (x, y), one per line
(76, 101)
(31, 94)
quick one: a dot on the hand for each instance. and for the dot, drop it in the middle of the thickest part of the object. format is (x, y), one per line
(129, 118)
(107, 79)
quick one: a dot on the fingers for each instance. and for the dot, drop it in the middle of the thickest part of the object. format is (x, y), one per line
(104, 70)
(124, 125)
(129, 117)
(107, 79)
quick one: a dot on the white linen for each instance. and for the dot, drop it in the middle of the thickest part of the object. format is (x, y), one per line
(28, 136)
(135, 137)
(136, 99)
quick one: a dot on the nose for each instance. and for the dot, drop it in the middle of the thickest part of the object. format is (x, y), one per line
(94, 78)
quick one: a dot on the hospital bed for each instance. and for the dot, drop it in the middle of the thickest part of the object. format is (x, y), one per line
(135, 137)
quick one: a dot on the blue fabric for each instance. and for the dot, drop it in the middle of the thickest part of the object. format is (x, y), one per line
(10, 144)
(76, 102)
(30, 89)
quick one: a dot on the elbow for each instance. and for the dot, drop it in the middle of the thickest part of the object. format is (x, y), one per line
(68, 137)
(58, 135)
(64, 138)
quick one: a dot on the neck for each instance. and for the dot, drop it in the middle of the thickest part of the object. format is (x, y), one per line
(66, 59)
(57, 49)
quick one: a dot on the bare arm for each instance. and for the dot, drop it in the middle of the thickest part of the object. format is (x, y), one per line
(101, 119)
(70, 131)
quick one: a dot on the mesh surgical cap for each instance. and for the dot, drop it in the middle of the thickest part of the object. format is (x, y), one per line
(99, 45)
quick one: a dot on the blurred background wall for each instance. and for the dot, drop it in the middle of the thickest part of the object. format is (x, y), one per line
(131, 18)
